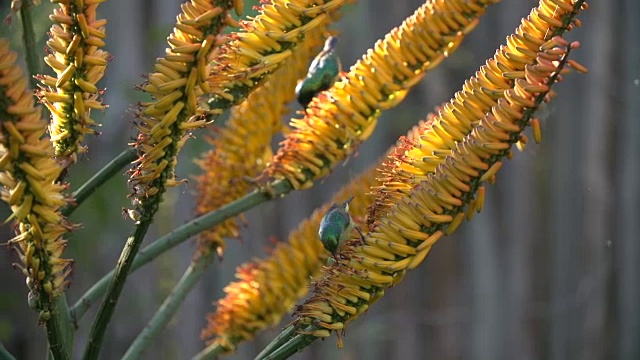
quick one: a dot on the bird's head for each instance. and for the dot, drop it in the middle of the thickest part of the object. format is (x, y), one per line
(330, 44)
(330, 236)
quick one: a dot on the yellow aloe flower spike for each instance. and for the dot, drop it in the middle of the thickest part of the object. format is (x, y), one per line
(28, 175)
(457, 118)
(242, 148)
(264, 43)
(266, 289)
(179, 78)
(435, 207)
(345, 115)
(76, 39)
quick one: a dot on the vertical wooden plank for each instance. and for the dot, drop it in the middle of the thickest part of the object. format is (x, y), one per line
(597, 53)
(627, 242)
(484, 278)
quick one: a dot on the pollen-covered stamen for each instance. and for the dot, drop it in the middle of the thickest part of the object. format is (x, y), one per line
(345, 115)
(268, 288)
(75, 41)
(455, 119)
(180, 77)
(242, 148)
(28, 179)
(434, 207)
(262, 45)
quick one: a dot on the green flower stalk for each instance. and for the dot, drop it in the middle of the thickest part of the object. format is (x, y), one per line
(339, 119)
(266, 289)
(242, 148)
(164, 125)
(76, 39)
(261, 47)
(28, 175)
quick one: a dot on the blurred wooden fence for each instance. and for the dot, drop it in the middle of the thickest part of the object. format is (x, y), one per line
(549, 270)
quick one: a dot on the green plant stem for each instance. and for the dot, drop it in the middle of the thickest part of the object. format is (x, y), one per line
(55, 337)
(102, 176)
(5, 354)
(64, 316)
(99, 327)
(170, 306)
(297, 343)
(180, 235)
(282, 338)
(210, 352)
(29, 39)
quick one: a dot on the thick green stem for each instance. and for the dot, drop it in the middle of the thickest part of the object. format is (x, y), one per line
(102, 176)
(180, 235)
(99, 327)
(29, 39)
(5, 354)
(297, 343)
(170, 306)
(276, 343)
(65, 321)
(55, 337)
(211, 352)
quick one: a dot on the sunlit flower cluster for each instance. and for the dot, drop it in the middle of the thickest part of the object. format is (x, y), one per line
(458, 117)
(345, 115)
(401, 236)
(179, 78)
(268, 288)
(264, 43)
(76, 39)
(242, 147)
(28, 176)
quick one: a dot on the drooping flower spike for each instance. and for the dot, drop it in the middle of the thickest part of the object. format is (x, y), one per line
(268, 288)
(28, 176)
(457, 118)
(76, 39)
(262, 45)
(179, 78)
(242, 148)
(402, 236)
(345, 115)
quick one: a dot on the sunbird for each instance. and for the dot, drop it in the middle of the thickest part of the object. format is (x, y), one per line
(322, 73)
(336, 227)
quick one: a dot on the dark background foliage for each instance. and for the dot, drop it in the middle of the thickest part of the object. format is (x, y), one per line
(547, 271)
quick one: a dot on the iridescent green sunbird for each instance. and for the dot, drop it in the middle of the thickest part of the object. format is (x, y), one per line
(336, 227)
(323, 72)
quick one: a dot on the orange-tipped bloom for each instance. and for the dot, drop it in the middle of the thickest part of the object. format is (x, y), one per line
(179, 78)
(345, 115)
(28, 175)
(242, 148)
(267, 289)
(264, 43)
(402, 236)
(457, 118)
(75, 41)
